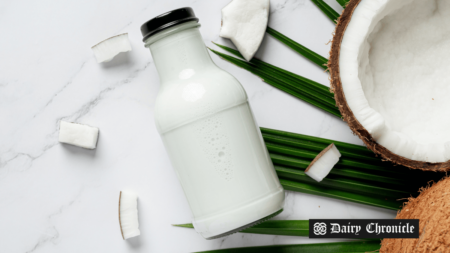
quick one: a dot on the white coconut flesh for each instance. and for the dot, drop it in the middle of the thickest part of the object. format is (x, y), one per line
(321, 166)
(394, 68)
(244, 22)
(78, 135)
(128, 214)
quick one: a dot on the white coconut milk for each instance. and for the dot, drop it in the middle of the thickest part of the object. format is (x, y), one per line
(210, 134)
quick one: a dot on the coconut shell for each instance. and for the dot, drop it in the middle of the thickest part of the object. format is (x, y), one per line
(431, 207)
(349, 117)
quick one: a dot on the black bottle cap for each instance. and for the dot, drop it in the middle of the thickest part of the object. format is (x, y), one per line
(167, 20)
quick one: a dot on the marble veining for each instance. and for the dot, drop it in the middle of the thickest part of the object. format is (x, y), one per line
(59, 198)
(51, 234)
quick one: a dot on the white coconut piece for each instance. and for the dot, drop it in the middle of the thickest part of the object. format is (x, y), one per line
(128, 215)
(323, 163)
(393, 64)
(78, 135)
(244, 22)
(107, 49)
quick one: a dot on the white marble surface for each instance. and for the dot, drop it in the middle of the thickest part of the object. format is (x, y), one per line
(60, 198)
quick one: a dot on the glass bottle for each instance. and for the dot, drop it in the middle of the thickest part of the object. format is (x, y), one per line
(208, 129)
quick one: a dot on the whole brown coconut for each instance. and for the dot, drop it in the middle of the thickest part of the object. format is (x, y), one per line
(431, 207)
(349, 117)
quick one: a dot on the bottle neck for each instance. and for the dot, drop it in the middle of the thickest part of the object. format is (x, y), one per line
(179, 52)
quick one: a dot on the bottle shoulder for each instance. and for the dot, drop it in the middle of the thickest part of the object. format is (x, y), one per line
(201, 94)
(212, 78)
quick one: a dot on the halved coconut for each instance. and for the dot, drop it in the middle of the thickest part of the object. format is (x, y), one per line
(431, 208)
(389, 72)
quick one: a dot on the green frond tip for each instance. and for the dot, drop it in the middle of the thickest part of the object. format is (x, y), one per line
(276, 227)
(343, 3)
(302, 50)
(327, 10)
(229, 49)
(187, 225)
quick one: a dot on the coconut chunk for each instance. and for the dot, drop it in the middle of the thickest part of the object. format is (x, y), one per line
(128, 215)
(244, 22)
(78, 135)
(107, 49)
(323, 163)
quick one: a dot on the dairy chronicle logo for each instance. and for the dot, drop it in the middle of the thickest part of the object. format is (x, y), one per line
(320, 228)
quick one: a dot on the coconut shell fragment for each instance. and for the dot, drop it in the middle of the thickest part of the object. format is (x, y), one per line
(349, 117)
(431, 207)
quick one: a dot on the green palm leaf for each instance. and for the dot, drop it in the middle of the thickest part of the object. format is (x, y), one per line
(283, 74)
(327, 10)
(319, 190)
(273, 227)
(342, 183)
(311, 55)
(359, 246)
(300, 89)
(357, 162)
(358, 176)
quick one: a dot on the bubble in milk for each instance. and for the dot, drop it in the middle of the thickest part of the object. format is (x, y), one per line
(215, 144)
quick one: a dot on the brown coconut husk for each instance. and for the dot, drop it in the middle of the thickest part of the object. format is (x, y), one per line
(349, 117)
(431, 207)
